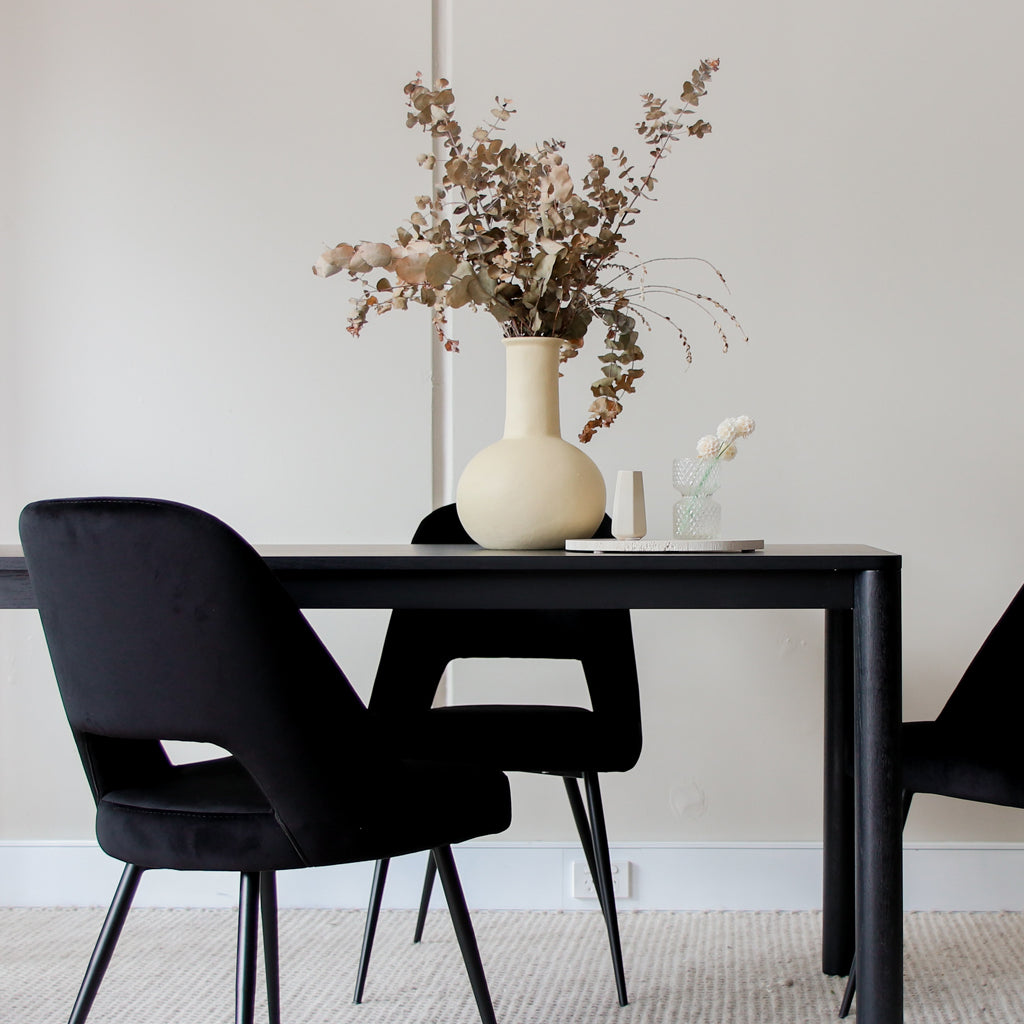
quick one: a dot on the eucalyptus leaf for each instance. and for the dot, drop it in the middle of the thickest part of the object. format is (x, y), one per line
(439, 268)
(457, 295)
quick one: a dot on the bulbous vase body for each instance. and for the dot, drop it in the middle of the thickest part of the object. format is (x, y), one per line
(530, 490)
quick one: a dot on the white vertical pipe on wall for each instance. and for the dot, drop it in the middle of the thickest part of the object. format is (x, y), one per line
(442, 470)
(441, 422)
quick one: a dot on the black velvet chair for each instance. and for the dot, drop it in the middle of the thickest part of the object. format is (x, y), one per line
(570, 742)
(163, 624)
(972, 751)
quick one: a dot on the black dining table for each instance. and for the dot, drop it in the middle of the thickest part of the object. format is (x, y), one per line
(857, 587)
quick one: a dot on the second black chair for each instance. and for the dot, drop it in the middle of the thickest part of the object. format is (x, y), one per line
(571, 742)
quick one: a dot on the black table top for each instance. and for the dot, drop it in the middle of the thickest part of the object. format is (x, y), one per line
(460, 576)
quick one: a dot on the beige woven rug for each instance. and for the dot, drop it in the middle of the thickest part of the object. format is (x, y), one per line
(177, 967)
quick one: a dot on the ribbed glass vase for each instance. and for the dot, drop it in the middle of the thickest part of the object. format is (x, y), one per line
(696, 516)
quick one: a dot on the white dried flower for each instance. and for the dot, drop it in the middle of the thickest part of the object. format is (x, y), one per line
(707, 447)
(743, 425)
(726, 429)
(721, 445)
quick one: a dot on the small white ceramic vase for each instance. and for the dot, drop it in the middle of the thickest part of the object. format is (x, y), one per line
(629, 513)
(531, 489)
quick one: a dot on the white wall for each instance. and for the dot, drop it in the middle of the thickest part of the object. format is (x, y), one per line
(861, 193)
(174, 169)
(177, 169)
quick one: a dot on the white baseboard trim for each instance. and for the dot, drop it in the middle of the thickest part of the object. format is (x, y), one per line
(536, 876)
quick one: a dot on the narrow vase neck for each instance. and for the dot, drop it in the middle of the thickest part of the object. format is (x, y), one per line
(531, 387)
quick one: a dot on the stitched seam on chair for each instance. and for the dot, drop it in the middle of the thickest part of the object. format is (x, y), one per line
(113, 501)
(212, 816)
(92, 774)
(292, 840)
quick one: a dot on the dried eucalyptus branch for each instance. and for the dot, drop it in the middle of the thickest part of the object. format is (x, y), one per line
(508, 231)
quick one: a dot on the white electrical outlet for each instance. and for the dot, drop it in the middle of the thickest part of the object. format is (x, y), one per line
(583, 887)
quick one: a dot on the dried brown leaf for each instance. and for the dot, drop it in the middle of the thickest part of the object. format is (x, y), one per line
(439, 268)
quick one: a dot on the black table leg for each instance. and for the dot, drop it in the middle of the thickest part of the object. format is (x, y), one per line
(838, 918)
(878, 697)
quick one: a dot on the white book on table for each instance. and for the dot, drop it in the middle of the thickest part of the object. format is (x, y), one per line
(653, 546)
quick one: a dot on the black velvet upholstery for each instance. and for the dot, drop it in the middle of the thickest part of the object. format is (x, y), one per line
(561, 740)
(527, 737)
(973, 749)
(164, 624)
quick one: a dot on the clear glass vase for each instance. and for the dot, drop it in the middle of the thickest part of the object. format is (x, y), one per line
(696, 516)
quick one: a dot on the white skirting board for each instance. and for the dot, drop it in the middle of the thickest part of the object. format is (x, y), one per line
(537, 876)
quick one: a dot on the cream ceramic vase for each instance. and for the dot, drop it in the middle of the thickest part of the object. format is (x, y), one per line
(531, 489)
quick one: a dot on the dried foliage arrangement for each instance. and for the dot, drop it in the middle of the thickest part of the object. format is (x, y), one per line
(508, 230)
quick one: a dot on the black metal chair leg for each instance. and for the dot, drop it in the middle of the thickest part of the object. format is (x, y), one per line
(464, 931)
(428, 887)
(851, 981)
(851, 988)
(380, 874)
(579, 816)
(104, 948)
(603, 879)
(248, 941)
(271, 949)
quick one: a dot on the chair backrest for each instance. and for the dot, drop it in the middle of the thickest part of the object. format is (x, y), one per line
(164, 624)
(601, 640)
(990, 696)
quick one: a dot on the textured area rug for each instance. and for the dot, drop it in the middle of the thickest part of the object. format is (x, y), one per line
(177, 967)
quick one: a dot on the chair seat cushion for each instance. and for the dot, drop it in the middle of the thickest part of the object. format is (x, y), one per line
(209, 815)
(212, 816)
(417, 805)
(960, 763)
(518, 737)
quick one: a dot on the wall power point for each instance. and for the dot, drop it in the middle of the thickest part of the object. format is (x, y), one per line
(583, 887)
